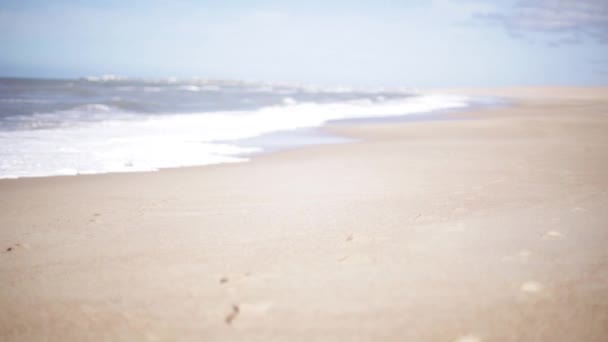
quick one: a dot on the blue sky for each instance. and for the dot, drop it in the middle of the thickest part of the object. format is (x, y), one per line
(370, 43)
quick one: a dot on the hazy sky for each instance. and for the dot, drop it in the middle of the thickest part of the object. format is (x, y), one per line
(393, 43)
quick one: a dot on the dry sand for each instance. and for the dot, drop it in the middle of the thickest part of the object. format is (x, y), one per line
(490, 226)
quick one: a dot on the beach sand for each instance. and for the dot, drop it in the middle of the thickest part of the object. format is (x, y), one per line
(491, 225)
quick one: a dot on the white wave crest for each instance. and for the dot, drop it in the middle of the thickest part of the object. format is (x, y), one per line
(143, 143)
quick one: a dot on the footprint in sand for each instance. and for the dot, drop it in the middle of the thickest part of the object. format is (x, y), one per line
(96, 218)
(16, 246)
(251, 309)
(531, 287)
(239, 277)
(233, 314)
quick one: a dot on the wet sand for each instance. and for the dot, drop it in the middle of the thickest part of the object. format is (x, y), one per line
(489, 227)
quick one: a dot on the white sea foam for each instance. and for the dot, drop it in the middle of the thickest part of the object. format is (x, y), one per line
(152, 89)
(104, 78)
(289, 101)
(211, 88)
(190, 88)
(64, 118)
(121, 142)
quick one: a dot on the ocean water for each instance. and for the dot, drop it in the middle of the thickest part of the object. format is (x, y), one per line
(110, 124)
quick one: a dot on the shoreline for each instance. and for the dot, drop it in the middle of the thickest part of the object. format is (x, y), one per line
(440, 230)
(117, 141)
(285, 140)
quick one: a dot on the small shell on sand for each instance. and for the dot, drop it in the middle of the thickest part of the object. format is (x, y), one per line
(531, 287)
(468, 338)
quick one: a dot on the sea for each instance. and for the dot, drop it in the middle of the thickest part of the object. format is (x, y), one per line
(51, 127)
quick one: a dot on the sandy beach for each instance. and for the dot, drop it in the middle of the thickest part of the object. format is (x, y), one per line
(490, 225)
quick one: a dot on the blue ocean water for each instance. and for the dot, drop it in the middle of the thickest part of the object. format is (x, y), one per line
(112, 124)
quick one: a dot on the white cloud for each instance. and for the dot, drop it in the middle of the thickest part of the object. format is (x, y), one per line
(568, 21)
